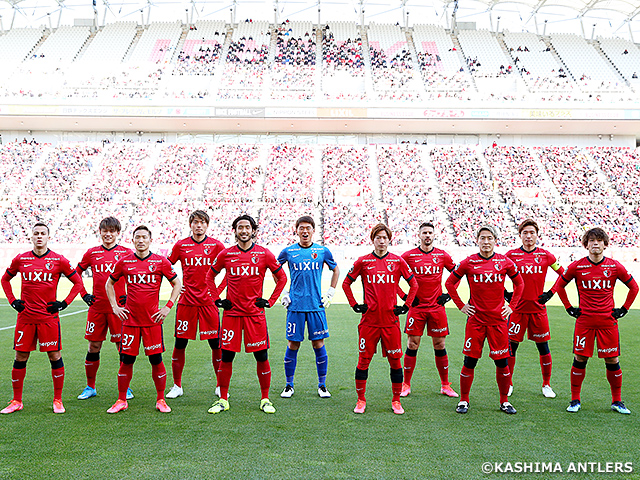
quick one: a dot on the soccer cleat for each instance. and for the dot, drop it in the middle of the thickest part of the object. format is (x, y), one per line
(119, 406)
(448, 391)
(175, 392)
(406, 390)
(510, 391)
(266, 406)
(287, 392)
(323, 392)
(620, 408)
(548, 392)
(506, 407)
(463, 407)
(14, 406)
(161, 406)
(129, 394)
(574, 406)
(58, 407)
(397, 407)
(88, 392)
(360, 406)
(219, 406)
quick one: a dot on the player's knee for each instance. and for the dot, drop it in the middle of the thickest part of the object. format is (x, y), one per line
(578, 364)
(95, 347)
(261, 356)
(514, 346)
(613, 367)
(214, 343)
(501, 363)
(19, 365)
(127, 359)
(55, 364)
(440, 352)
(362, 374)
(396, 375)
(181, 343)
(93, 356)
(470, 362)
(155, 359)
(228, 356)
(438, 343)
(413, 344)
(395, 363)
(543, 348)
(363, 363)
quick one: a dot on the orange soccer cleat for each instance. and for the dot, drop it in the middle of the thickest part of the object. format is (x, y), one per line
(445, 389)
(13, 406)
(360, 406)
(119, 406)
(58, 407)
(397, 407)
(162, 406)
(406, 390)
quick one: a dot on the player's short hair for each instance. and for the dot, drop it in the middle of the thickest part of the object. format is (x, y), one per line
(489, 228)
(40, 224)
(200, 215)
(381, 227)
(110, 224)
(305, 219)
(248, 218)
(597, 234)
(142, 227)
(529, 222)
(426, 224)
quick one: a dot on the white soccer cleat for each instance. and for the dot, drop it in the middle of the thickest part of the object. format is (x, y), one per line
(288, 391)
(323, 392)
(175, 392)
(548, 392)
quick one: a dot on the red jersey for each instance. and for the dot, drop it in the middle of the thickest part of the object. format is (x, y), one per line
(486, 277)
(533, 267)
(195, 258)
(380, 277)
(245, 271)
(428, 269)
(40, 276)
(102, 262)
(595, 283)
(143, 278)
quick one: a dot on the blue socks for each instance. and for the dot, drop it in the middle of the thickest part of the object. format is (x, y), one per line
(290, 361)
(322, 361)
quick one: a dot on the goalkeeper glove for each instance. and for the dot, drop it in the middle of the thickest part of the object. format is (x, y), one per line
(326, 300)
(285, 300)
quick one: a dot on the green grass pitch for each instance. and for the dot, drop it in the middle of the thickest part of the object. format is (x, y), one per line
(309, 437)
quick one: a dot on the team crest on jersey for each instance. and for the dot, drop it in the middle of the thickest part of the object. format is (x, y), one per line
(152, 268)
(117, 256)
(435, 260)
(606, 273)
(254, 260)
(207, 250)
(314, 255)
(497, 266)
(537, 260)
(48, 265)
(391, 267)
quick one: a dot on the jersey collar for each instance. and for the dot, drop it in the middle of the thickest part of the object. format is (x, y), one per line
(109, 249)
(594, 263)
(248, 249)
(374, 254)
(41, 256)
(486, 258)
(205, 237)
(528, 251)
(427, 253)
(142, 259)
(305, 247)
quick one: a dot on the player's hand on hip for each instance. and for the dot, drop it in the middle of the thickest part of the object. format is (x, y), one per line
(619, 312)
(575, 312)
(506, 310)
(285, 300)
(161, 314)
(468, 309)
(545, 297)
(89, 299)
(442, 299)
(225, 303)
(400, 310)
(57, 306)
(262, 303)
(18, 305)
(120, 312)
(326, 299)
(360, 308)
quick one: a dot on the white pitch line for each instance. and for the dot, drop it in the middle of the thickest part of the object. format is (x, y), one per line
(63, 315)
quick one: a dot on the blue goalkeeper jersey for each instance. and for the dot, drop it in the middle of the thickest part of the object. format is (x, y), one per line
(305, 266)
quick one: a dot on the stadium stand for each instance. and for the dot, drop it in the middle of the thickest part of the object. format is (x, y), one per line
(342, 62)
(293, 72)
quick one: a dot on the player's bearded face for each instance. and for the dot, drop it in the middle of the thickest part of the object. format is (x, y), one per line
(426, 236)
(39, 237)
(244, 232)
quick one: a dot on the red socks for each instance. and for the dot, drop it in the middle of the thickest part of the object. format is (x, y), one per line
(91, 369)
(17, 381)
(224, 378)
(58, 382)
(361, 389)
(177, 365)
(159, 374)
(577, 377)
(216, 359)
(503, 377)
(263, 370)
(124, 379)
(615, 380)
(466, 379)
(545, 366)
(442, 364)
(409, 365)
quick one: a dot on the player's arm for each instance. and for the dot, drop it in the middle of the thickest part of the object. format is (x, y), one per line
(331, 291)
(161, 314)
(17, 304)
(346, 288)
(78, 286)
(119, 311)
(281, 282)
(413, 290)
(631, 284)
(518, 290)
(452, 289)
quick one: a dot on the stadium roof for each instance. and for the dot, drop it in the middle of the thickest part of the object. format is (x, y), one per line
(604, 17)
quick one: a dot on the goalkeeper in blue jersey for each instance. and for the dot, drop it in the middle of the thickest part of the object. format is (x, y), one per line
(305, 303)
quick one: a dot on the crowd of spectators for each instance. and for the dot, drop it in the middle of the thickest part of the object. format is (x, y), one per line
(236, 173)
(202, 60)
(393, 77)
(622, 168)
(277, 222)
(290, 174)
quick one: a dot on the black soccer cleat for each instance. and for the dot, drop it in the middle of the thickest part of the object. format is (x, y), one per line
(463, 407)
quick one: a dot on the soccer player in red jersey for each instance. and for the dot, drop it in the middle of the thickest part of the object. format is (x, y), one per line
(246, 265)
(195, 307)
(427, 310)
(141, 318)
(530, 315)
(38, 320)
(100, 318)
(380, 272)
(596, 315)
(486, 273)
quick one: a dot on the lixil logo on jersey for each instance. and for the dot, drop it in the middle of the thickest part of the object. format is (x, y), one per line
(141, 278)
(37, 276)
(380, 278)
(530, 269)
(596, 284)
(488, 278)
(197, 261)
(105, 268)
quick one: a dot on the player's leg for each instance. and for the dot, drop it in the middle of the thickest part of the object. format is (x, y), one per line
(609, 349)
(498, 340)
(538, 331)
(295, 335)
(368, 338)
(153, 348)
(231, 337)
(414, 329)
(256, 341)
(474, 336)
(95, 332)
(209, 322)
(442, 364)
(263, 370)
(129, 348)
(583, 343)
(466, 380)
(216, 359)
(318, 330)
(115, 330)
(51, 342)
(18, 373)
(392, 348)
(177, 367)
(517, 328)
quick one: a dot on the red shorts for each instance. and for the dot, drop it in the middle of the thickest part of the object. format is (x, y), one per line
(369, 336)
(47, 335)
(496, 335)
(97, 324)
(434, 320)
(151, 339)
(608, 341)
(256, 337)
(188, 317)
(536, 324)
